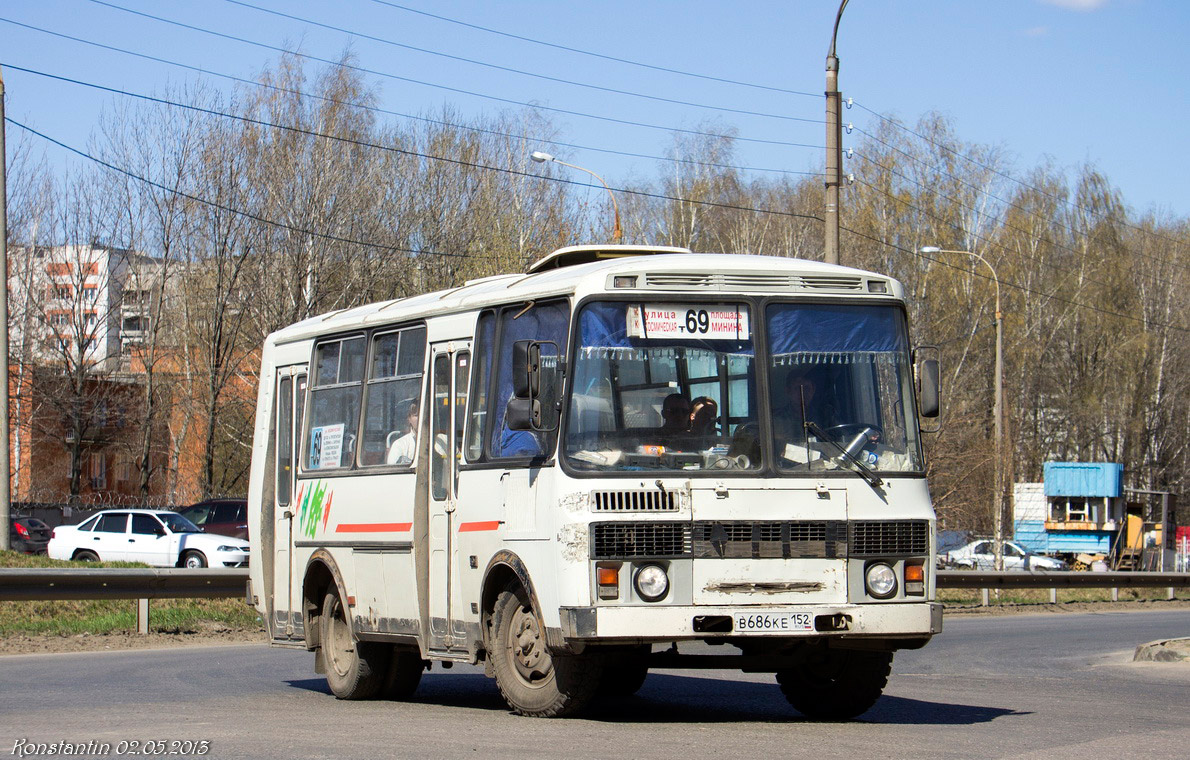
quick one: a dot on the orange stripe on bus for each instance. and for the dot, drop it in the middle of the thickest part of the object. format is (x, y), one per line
(374, 528)
(474, 526)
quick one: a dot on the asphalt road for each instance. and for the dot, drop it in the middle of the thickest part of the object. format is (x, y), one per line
(1044, 686)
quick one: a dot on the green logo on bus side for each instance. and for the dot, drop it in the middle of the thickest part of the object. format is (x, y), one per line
(314, 502)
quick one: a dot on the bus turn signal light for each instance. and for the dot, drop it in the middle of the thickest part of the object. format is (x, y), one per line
(608, 579)
(915, 579)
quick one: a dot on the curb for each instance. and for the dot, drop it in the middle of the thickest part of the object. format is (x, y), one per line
(1163, 650)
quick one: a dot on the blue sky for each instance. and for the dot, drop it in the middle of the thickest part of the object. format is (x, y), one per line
(1072, 81)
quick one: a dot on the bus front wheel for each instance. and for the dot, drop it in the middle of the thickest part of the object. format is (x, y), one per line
(839, 684)
(354, 669)
(533, 680)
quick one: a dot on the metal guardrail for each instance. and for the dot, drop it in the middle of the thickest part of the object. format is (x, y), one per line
(36, 584)
(25, 584)
(1058, 579)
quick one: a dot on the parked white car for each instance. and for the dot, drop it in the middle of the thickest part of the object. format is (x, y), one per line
(154, 537)
(980, 555)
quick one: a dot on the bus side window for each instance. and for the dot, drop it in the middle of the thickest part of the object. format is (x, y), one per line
(394, 391)
(335, 403)
(478, 412)
(545, 322)
(284, 440)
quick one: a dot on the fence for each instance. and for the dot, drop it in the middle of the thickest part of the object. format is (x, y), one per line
(964, 579)
(143, 584)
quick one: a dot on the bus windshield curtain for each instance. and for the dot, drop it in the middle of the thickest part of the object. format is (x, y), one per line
(835, 334)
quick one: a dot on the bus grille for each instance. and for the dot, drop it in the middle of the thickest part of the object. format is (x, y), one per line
(874, 538)
(818, 539)
(652, 500)
(795, 539)
(632, 540)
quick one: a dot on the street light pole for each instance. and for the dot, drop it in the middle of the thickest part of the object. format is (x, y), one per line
(834, 147)
(617, 233)
(5, 463)
(998, 412)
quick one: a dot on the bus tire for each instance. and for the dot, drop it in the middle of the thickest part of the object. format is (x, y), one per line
(354, 669)
(838, 685)
(532, 680)
(404, 673)
(625, 672)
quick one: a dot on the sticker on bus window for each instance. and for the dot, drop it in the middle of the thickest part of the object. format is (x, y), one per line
(326, 445)
(699, 321)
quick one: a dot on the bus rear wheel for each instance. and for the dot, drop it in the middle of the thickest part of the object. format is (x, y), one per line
(840, 684)
(354, 669)
(533, 680)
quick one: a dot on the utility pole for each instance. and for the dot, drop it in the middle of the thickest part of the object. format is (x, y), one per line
(834, 146)
(5, 465)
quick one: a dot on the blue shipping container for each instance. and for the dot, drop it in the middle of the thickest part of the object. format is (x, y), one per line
(1083, 479)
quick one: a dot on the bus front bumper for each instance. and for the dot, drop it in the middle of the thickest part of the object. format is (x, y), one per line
(672, 622)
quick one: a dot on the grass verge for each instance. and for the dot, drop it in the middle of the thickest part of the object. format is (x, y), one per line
(74, 617)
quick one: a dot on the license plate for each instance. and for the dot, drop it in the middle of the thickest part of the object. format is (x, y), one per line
(773, 622)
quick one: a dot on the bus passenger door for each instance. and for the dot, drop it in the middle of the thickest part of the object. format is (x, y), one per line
(291, 396)
(450, 370)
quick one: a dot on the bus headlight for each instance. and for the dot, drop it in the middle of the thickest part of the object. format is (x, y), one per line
(652, 584)
(881, 580)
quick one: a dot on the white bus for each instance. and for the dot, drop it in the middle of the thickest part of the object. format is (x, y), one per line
(598, 467)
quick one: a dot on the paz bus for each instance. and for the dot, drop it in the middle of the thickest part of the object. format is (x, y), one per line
(598, 467)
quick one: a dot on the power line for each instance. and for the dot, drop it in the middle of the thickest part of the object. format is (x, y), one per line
(1017, 286)
(471, 93)
(986, 241)
(1008, 203)
(229, 209)
(410, 153)
(376, 109)
(1004, 175)
(602, 56)
(489, 65)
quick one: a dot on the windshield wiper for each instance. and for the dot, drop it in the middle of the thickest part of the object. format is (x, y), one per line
(861, 469)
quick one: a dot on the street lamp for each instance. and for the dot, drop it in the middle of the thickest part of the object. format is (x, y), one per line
(617, 233)
(999, 407)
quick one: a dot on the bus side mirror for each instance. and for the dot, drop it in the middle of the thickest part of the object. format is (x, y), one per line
(927, 373)
(523, 414)
(526, 369)
(928, 400)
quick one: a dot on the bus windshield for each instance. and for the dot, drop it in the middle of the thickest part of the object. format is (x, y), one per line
(840, 380)
(673, 386)
(664, 387)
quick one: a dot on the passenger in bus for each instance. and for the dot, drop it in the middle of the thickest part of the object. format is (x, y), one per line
(803, 391)
(704, 417)
(403, 450)
(675, 416)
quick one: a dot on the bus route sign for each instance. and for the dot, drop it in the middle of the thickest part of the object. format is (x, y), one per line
(700, 321)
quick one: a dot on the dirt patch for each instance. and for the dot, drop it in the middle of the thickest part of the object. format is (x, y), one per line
(206, 635)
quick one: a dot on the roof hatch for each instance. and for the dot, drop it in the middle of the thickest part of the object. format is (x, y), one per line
(586, 254)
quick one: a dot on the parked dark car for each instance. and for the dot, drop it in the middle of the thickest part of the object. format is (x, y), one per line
(226, 517)
(28, 535)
